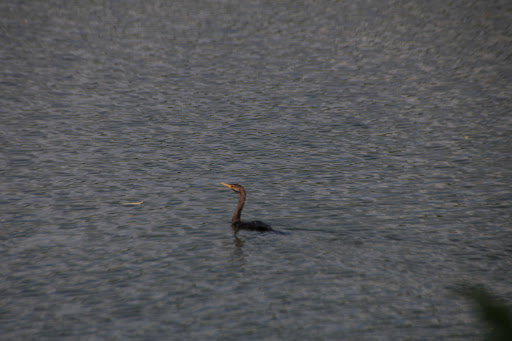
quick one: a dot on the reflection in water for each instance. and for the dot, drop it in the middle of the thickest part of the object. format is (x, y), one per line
(238, 258)
(239, 243)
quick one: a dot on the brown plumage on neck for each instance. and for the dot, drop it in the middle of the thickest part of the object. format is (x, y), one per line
(238, 212)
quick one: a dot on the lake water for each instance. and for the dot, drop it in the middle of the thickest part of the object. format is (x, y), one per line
(376, 134)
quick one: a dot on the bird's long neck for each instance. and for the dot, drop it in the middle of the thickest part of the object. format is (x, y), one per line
(238, 211)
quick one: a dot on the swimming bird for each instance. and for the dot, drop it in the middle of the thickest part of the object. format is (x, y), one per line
(236, 222)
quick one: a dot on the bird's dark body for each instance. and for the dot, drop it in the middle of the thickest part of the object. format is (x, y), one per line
(252, 226)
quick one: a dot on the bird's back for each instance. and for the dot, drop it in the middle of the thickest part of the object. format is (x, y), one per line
(253, 226)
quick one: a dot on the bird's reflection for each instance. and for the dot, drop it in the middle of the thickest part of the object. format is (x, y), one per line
(239, 243)
(238, 251)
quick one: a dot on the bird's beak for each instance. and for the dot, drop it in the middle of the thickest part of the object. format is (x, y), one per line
(227, 185)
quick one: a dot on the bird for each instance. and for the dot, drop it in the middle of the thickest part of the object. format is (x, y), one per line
(236, 222)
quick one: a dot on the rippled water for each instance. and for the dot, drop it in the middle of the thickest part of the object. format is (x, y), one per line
(376, 134)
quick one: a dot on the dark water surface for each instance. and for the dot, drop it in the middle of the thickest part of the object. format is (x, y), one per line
(376, 133)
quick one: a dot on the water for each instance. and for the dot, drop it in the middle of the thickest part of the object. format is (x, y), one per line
(376, 134)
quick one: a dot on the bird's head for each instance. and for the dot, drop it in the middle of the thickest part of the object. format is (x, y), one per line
(235, 187)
